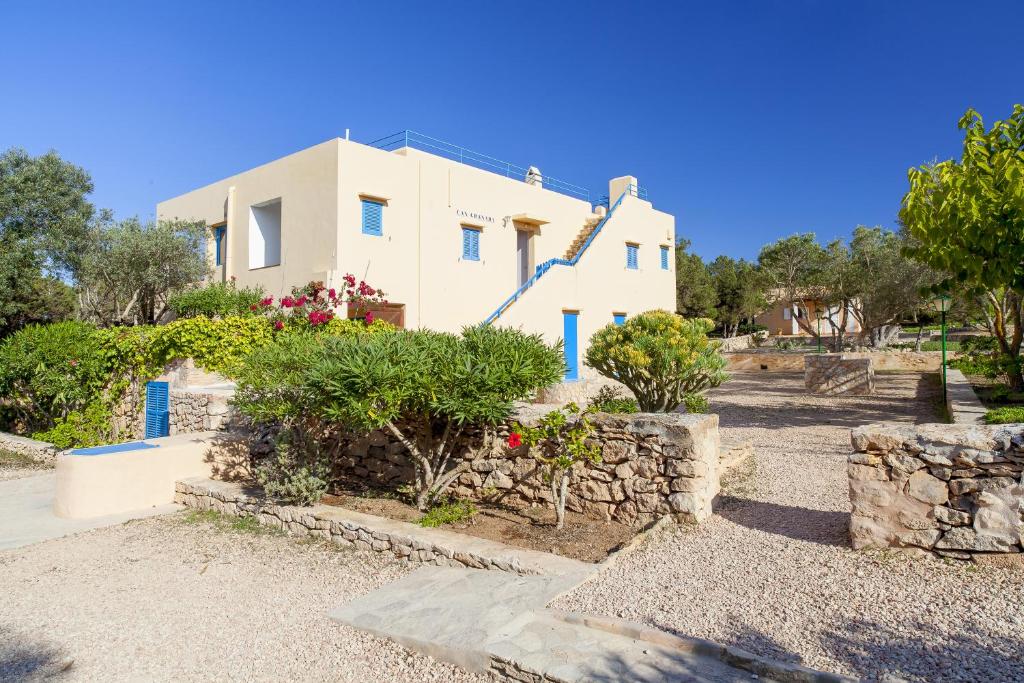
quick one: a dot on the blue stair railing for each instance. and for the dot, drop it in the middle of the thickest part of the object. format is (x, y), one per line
(550, 263)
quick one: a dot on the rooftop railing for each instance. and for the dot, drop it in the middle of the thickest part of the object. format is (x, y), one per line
(631, 190)
(409, 138)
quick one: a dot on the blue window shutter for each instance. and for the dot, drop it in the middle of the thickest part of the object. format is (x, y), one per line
(620, 318)
(632, 256)
(571, 345)
(470, 244)
(373, 218)
(218, 238)
(664, 258)
(158, 414)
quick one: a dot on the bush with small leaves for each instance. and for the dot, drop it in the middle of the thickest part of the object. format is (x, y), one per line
(609, 399)
(660, 357)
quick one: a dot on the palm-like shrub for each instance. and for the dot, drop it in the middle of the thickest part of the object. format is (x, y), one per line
(661, 357)
(428, 388)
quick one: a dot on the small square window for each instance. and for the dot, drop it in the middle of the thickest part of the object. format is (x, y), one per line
(633, 256)
(470, 244)
(619, 318)
(664, 258)
(373, 218)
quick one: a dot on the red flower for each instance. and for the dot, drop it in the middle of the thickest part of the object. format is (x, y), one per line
(253, 307)
(331, 294)
(278, 325)
(369, 317)
(350, 279)
(267, 302)
(301, 301)
(287, 302)
(73, 363)
(515, 440)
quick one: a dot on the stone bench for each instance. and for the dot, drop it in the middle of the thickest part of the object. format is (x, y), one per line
(836, 374)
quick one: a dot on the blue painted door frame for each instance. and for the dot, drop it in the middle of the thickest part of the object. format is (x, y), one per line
(570, 320)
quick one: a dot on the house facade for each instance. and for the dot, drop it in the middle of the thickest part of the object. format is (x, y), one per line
(454, 238)
(784, 318)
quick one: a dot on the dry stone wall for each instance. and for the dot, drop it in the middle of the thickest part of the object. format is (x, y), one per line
(40, 451)
(955, 490)
(196, 410)
(837, 374)
(652, 465)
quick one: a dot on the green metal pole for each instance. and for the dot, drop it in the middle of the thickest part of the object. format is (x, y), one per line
(943, 356)
(819, 332)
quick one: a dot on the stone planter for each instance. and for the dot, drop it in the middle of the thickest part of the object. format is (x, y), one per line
(836, 374)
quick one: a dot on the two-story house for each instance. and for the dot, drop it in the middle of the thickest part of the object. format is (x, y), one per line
(453, 237)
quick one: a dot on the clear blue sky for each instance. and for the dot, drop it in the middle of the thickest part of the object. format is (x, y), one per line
(747, 120)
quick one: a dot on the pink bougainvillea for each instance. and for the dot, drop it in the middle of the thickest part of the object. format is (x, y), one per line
(315, 305)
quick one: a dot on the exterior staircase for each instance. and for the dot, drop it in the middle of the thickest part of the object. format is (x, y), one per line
(588, 229)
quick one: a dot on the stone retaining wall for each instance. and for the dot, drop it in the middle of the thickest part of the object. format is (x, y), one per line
(351, 529)
(40, 451)
(652, 465)
(837, 374)
(195, 410)
(955, 490)
(772, 360)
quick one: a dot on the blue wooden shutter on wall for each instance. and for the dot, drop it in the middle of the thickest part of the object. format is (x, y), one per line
(218, 237)
(632, 256)
(571, 347)
(620, 318)
(470, 244)
(158, 413)
(373, 218)
(664, 258)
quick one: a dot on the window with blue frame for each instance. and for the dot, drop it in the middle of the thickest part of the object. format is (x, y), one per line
(373, 217)
(633, 256)
(664, 258)
(218, 239)
(470, 244)
(619, 318)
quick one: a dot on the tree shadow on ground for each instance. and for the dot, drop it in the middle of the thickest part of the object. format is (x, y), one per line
(826, 527)
(907, 397)
(21, 660)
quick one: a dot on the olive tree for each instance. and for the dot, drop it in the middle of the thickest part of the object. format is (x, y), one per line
(966, 219)
(429, 388)
(662, 358)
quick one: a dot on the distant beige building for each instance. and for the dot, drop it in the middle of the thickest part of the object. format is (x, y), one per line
(455, 238)
(784, 317)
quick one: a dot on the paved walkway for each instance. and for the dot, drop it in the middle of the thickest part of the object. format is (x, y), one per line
(26, 513)
(495, 621)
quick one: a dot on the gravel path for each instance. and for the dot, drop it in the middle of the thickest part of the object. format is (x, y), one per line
(173, 598)
(773, 572)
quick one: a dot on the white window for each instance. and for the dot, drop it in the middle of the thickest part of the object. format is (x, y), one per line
(787, 313)
(265, 234)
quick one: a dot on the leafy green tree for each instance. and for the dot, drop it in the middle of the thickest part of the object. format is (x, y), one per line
(558, 442)
(429, 388)
(695, 293)
(662, 358)
(739, 292)
(44, 217)
(966, 219)
(793, 270)
(129, 269)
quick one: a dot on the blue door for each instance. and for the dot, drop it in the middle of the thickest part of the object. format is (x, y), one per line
(572, 370)
(620, 318)
(158, 414)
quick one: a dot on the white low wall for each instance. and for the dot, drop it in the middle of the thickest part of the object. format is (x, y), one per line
(112, 483)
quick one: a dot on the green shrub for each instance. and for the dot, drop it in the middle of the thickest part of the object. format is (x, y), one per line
(609, 399)
(49, 371)
(695, 403)
(217, 300)
(448, 513)
(216, 345)
(296, 474)
(660, 357)
(92, 426)
(1006, 415)
(951, 346)
(427, 388)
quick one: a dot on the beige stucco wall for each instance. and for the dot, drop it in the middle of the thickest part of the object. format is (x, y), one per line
(418, 259)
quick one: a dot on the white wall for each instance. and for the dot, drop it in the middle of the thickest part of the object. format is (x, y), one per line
(265, 234)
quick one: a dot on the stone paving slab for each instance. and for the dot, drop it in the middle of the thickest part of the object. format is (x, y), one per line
(27, 517)
(496, 622)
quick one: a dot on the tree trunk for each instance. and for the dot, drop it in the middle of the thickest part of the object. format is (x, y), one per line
(559, 491)
(917, 341)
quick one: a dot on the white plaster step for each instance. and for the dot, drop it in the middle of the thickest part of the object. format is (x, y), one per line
(496, 622)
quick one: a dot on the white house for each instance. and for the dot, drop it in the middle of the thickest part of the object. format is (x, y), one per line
(453, 237)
